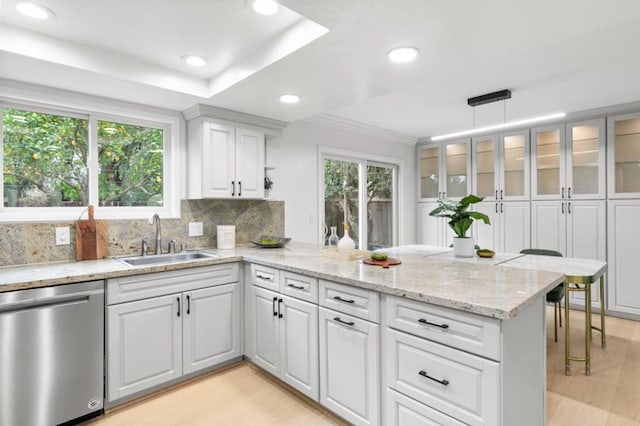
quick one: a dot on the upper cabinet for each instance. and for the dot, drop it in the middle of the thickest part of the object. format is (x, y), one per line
(568, 161)
(224, 161)
(624, 156)
(445, 170)
(501, 166)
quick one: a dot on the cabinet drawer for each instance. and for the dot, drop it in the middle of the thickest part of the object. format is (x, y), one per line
(138, 287)
(350, 300)
(464, 386)
(472, 333)
(265, 276)
(404, 411)
(299, 286)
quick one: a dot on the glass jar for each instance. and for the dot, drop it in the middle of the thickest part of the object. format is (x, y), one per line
(333, 237)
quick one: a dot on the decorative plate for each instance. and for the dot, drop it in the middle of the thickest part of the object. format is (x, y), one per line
(268, 241)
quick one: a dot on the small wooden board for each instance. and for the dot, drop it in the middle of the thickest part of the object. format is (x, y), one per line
(91, 238)
(384, 263)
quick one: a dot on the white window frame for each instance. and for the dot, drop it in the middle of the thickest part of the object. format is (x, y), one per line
(363, 160)
(171, 126)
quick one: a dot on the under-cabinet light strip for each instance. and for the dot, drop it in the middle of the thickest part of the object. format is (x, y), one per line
(499, 126)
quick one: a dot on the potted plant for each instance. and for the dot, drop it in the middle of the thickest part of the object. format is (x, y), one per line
(460, 220)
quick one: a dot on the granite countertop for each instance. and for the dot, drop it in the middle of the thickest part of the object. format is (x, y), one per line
(476, 286)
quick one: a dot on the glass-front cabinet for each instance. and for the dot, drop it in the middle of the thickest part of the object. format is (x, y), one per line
(445, 169)
(624, 156)
(568, 161)
(501, 166)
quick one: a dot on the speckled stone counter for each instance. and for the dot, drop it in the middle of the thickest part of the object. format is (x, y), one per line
(477, 286)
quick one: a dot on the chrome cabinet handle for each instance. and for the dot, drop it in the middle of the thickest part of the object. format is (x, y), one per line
(273, 306)
(264, 277)
(424, 321)
(350, 323)
(297, 287)
(340, 299)
(279, 313)
(443, 382)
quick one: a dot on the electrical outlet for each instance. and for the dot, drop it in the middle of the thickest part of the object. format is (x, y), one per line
(195, 229)
(63, 236)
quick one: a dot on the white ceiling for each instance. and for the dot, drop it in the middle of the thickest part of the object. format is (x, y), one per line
(568, 55)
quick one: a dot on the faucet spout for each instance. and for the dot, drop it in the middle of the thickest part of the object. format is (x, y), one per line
(156, 219)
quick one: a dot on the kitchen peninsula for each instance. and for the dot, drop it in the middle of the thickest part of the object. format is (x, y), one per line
(445, 339)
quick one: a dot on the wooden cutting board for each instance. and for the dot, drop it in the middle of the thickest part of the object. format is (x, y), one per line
(91, 238)
(384, 263)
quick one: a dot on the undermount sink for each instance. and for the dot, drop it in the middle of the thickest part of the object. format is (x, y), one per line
(165, 258)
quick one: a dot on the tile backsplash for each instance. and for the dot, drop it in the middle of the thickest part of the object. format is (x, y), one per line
(24, 243)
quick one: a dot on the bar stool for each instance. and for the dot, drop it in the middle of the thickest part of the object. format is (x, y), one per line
(555, 295)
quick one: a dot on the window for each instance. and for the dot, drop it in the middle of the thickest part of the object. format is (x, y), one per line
(55, 163)
(361, 193)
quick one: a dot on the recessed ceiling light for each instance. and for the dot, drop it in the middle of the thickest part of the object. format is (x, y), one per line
(34, 11)
(289, 99)
(265, 7)
(194, 60)
(403, 54)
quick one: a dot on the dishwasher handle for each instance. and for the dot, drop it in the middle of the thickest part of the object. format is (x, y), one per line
(45, 302)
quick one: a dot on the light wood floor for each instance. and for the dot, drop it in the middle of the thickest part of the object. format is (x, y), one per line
(244, 395)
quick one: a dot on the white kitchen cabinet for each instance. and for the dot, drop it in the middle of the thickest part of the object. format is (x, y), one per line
(510, 229)
(144, 345)
(445, 170)
(285, 339)
(623, 156)
(349, 367)
(224, 161)
(568, 161)
(501, 166)
(575, 228)
(210, 327)
(624, 265)
(433, 231)
(157, 333)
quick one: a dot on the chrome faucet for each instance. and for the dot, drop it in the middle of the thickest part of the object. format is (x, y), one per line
(156, 219)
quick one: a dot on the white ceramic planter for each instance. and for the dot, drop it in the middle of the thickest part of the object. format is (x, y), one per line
(463, 247)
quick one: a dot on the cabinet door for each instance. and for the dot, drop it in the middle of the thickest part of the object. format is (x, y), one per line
(265, 329)
(623, 156)
(144, 344)
(299, 346)
(549, 225)
(249, 164)
(513, 166)
(624, 267)
(430, 229)
(218, 161)
(211, 326)
(514, 226)
(586, 235)
(456, 169)
(485, 166)
(585, 160)
(548, 163)
(349, 367)
(429, 168)
(486, 236)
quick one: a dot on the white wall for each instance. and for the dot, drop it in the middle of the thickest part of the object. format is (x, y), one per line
(295, 177)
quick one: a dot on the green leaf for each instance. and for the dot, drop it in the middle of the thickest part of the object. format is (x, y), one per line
(480, 216)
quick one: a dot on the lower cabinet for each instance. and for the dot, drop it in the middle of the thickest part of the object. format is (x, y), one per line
(159, 339)
(285, 339)
(624, 267)
(405, 411)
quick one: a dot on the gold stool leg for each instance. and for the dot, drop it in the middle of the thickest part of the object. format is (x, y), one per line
(603, 338)
(587, 337)
(567, 364)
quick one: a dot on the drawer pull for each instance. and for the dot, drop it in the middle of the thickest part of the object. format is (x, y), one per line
(340, 299)
(343, 322)
(443, 382)
(424, 321)
(264, 277)
(297, 287)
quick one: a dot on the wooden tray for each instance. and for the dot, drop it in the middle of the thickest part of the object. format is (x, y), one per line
(384, 263)
(91, 238)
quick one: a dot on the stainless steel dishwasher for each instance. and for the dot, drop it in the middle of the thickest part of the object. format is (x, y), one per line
(51, 354)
